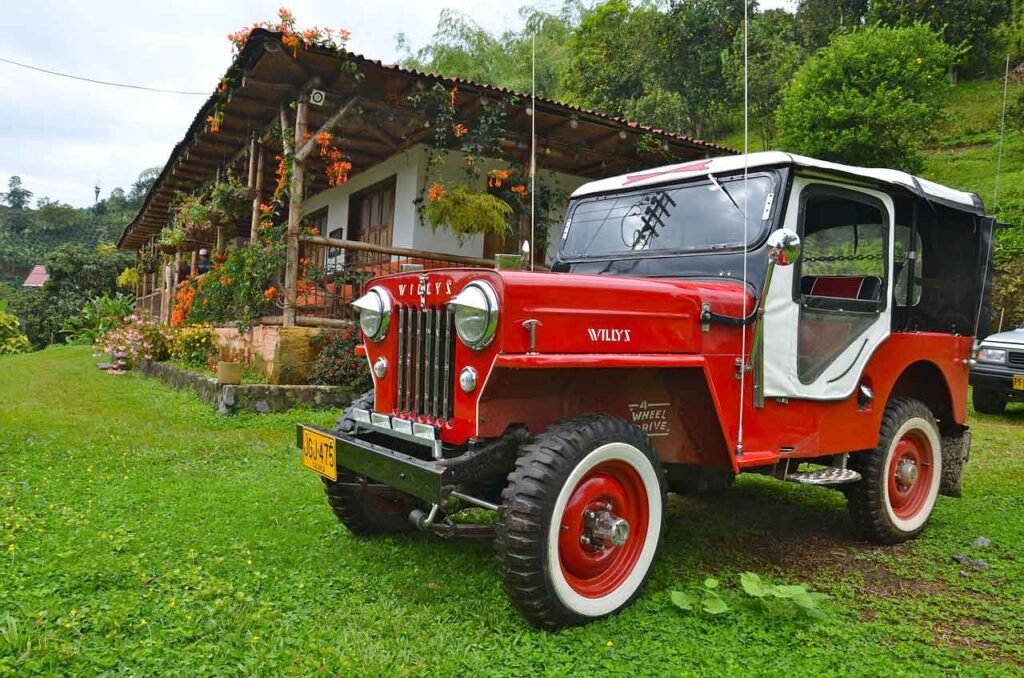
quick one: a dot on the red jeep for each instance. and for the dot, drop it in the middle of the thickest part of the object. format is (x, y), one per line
(824, 338)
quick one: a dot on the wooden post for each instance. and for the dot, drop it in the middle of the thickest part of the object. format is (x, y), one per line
(291, 270)
(142, 283)
(257, 186)
(194, 268)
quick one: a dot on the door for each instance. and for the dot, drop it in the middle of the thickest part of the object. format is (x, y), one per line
(826, 315)
(372, 218)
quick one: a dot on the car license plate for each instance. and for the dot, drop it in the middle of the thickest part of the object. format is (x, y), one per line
(319, 453)
(1018, 382)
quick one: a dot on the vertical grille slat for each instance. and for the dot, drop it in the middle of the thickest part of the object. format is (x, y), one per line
(425, 361)
(449, 350)
(436, 367)
(401, 355)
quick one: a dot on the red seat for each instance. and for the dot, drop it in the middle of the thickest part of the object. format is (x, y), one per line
(866, 287)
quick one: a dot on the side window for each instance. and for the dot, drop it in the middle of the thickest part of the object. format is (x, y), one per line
(907, 271)
(842, 273)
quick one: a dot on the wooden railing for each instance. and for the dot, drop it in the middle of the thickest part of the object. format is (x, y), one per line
(334, 270)
(151, 303)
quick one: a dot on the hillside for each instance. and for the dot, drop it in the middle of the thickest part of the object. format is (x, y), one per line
(964, 147)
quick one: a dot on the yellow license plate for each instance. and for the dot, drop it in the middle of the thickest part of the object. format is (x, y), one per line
(319, 453)
(1018, 382)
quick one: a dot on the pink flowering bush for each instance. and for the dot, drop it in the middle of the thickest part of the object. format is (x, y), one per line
(137, 338)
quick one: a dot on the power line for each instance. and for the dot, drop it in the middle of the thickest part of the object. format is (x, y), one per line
(103, 82)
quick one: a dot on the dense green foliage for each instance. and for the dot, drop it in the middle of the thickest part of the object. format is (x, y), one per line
(78, 274)
(869, 98)
(28, 235)
(774, 55)
(12, 340)
(98, 316)
(144, 534)
(967, 24)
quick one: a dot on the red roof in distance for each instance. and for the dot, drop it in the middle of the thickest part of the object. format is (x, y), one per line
(37, 277)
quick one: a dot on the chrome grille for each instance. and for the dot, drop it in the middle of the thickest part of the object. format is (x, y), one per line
(1016, 358)
(426, 360)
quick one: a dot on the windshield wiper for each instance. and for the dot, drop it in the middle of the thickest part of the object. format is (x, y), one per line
(727, 194)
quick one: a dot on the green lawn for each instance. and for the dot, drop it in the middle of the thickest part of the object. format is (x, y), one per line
(144, 535)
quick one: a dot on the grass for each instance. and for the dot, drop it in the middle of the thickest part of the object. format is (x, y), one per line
(142, 534)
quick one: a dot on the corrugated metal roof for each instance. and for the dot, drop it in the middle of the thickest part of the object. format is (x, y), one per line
(252, 52)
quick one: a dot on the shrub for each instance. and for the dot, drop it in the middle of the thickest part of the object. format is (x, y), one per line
(337, 364)
(138, 338)
(11, 338)
(194, 345)
(868, 98)
(233, 290)
(466, 212)
(98, 316)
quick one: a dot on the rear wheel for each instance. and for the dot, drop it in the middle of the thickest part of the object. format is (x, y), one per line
(583, 516)
(900, 478)
(988, 402)
(363, 506)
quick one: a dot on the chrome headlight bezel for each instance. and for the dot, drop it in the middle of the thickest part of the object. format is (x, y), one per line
(375, 301)
(478, 297)
(988, 354)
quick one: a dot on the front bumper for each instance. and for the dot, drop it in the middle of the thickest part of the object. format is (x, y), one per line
(424, 479)
(997, 379)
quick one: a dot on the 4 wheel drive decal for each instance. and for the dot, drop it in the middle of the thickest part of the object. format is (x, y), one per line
(651, 418)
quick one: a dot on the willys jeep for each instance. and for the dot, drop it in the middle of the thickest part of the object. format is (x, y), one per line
(767, 313)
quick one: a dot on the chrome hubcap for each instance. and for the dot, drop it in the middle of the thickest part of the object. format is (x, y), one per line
(603, 529)
(906, 473)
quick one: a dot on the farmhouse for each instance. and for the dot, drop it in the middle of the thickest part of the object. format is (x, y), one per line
(370, 165)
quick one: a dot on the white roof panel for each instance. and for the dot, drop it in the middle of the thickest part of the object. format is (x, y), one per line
(736, 163)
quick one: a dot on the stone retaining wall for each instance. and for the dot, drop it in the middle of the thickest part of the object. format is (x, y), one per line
(253, 397)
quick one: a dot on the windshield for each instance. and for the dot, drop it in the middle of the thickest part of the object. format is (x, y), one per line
(698, 216)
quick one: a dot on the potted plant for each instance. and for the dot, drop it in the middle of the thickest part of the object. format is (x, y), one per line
(229, 368)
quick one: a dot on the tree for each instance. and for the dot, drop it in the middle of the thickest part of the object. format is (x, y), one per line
(612, 53)
(77, 273)
(53, 215)
(460, 47)
(966, 24)
(816, 20)
(141, 187)
(17, 196)
(774, 57)
(868, 98)
(691, 38)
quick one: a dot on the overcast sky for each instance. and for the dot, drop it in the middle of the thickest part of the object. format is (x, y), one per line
(62, 137)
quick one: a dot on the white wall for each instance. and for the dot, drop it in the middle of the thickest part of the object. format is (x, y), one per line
(410, 169)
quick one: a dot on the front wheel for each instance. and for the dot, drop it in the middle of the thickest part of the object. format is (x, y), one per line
(583, 515)
(900, 478)
(362, 505)
(988, 402)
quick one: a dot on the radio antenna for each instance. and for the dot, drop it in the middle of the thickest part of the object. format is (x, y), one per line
(746, 193)
(533, 144)
(995, 199)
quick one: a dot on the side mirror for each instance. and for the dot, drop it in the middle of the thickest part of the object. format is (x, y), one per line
(784, 247)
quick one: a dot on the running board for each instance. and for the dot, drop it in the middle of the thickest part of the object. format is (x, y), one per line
(825, 476)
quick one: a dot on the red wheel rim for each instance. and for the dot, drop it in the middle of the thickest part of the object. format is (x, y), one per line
(911, 471)
(593, 572)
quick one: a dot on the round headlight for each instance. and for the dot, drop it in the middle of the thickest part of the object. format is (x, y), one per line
(374, 314)
(476, 314)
